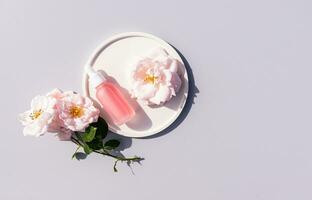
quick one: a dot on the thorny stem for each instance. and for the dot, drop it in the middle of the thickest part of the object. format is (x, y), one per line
(105, 153)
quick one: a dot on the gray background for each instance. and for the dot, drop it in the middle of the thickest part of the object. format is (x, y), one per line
(246, 136)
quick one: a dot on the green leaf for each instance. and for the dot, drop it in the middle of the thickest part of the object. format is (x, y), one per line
(87, 149)
(102, 128)
(79, 155)
(111, 144)
(93, 137)
(95, 144)
(89, 134)
(115, 166)
(85, 146)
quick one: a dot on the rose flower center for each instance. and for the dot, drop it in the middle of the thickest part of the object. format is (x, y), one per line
(35, 114)
(150, 79)
(76, 111)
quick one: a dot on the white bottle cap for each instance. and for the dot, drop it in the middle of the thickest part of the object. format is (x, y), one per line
(95, 77)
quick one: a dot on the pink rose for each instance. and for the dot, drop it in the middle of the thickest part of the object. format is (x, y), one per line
(155, 79)
(73, 113)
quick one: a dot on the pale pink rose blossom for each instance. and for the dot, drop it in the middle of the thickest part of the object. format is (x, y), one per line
(76, 112)
(73, 113)
(155, 79)
(39, 117)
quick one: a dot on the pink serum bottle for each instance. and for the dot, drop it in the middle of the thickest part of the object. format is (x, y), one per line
(111, 98)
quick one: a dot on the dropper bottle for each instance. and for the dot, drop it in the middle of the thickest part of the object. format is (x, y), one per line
(110, 97)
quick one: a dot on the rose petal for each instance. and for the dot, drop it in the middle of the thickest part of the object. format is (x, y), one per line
(55, 93)
(162, 95)
(174, 66)
(145, 91)
(176, 82)
(24, 118)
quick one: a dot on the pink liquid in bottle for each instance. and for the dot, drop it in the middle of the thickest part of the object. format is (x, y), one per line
(114, 103)
(111, 98)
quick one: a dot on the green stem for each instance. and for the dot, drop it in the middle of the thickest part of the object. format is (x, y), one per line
(76, 152)
(105, 153)
(135, 158)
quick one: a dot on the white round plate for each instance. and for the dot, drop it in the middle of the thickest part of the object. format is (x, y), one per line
(114, 57)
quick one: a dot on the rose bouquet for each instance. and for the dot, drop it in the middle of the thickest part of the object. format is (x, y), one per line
(71, 117)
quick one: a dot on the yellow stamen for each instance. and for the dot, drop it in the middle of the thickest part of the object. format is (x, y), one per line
(150, 79)
(76, 111)
(35, 114)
